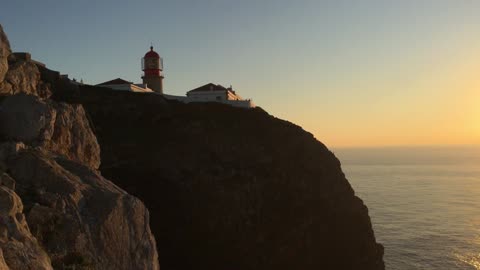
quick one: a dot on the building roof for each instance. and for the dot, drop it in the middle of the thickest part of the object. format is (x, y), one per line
(209, 87)
(152, 53)
(116, 81)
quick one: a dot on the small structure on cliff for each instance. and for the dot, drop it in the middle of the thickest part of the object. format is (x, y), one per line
(121, 84)
(152, 66)
(217, 93)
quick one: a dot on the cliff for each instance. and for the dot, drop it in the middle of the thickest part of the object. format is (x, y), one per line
(56, 210)
(230, 188)
(227, 188)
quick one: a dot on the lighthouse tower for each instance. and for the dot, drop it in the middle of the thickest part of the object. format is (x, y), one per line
(152, 66)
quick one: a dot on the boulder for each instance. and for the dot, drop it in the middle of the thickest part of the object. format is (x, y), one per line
(21, 251)
(57, 127)
(4, 53)
(82, 219)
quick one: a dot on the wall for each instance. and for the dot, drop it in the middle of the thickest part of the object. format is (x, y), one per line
(212, 98)
(207, 95)
(127, 87)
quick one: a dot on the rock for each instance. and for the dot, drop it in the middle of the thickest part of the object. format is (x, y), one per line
(57, 127)
(82, 219)
(4, 53)
(20, 249)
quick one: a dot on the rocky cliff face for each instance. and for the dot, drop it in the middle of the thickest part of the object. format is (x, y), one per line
(56, 210)
(230, 188)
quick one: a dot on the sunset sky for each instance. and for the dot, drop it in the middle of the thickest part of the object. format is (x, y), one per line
(353, 73)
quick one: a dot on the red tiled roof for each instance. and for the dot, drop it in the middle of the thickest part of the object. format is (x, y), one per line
(116, 81)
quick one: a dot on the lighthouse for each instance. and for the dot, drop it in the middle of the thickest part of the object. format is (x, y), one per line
(152, 66)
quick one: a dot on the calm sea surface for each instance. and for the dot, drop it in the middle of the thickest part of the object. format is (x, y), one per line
(424, 203)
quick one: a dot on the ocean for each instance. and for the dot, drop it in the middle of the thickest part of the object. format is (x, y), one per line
(424, 203)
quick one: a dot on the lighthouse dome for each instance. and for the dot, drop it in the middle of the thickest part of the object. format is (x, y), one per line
(152, 53)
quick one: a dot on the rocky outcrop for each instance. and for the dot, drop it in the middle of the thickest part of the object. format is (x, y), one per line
(82, 219)
(61, 128)
(4, 53)
(230, 188)
(56, 210)
(20, 74)
(24, 76)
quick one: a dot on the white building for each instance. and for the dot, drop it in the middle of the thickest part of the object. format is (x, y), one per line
(123, 85)
(214, 93)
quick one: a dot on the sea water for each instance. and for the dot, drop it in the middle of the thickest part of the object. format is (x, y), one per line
(424, 203)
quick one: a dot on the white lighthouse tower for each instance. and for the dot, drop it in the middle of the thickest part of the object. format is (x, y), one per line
(152, 66)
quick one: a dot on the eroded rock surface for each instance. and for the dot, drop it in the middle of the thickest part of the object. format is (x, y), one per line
(61, 128)
(22, 77)
(20, 248)
(82, 219)
(4, 53)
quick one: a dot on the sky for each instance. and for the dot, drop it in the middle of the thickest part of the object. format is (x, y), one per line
(353, 73)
